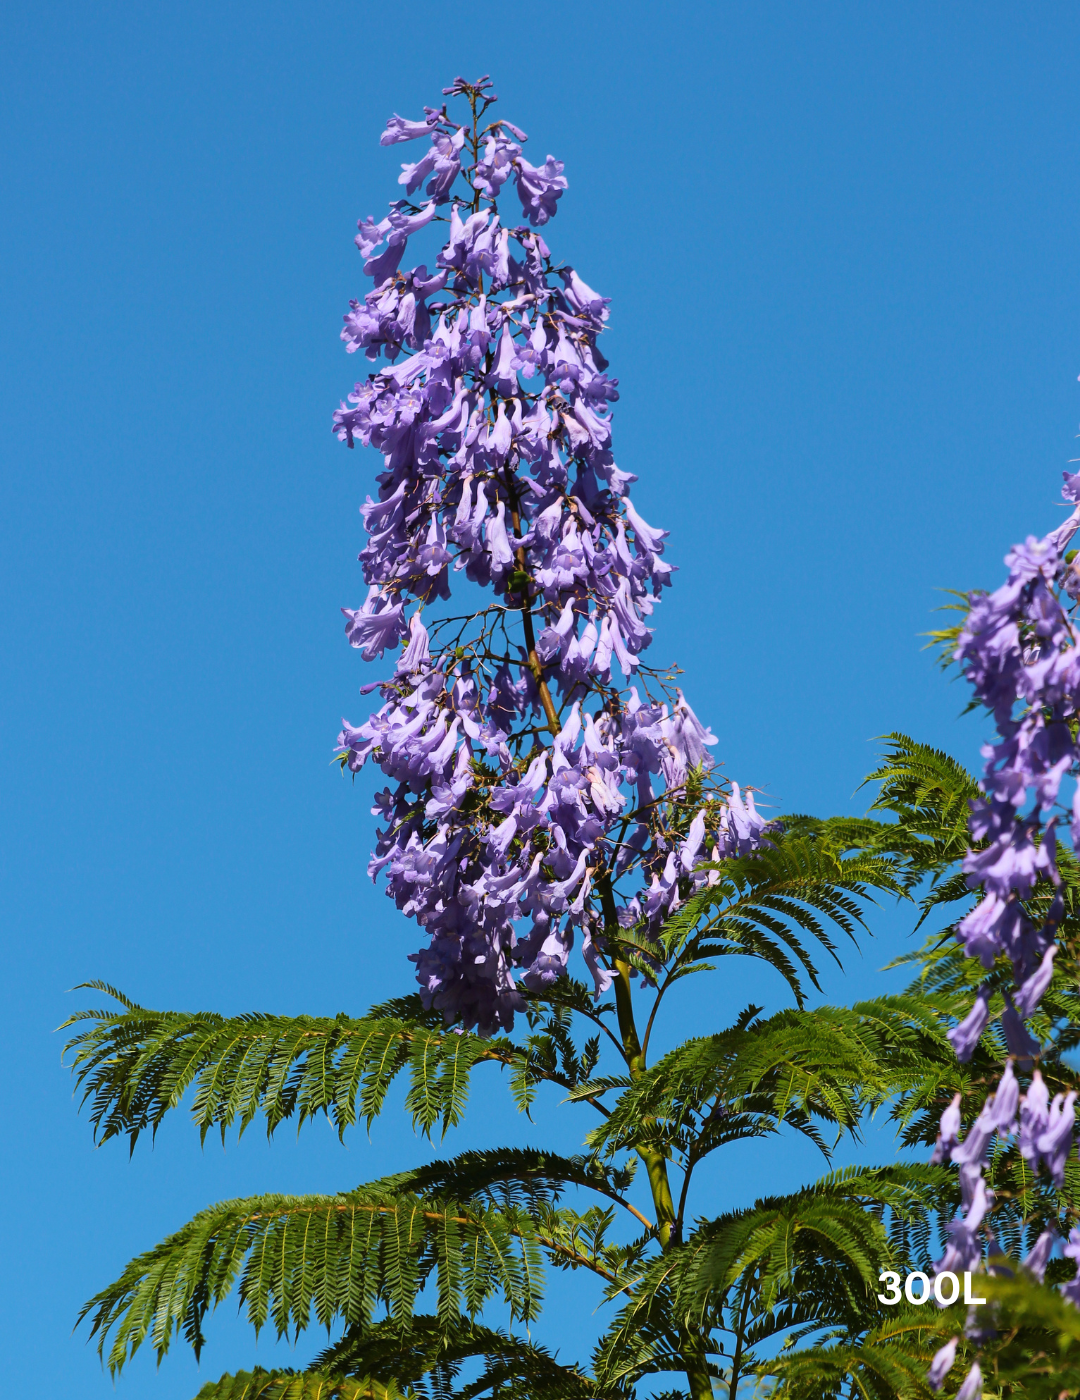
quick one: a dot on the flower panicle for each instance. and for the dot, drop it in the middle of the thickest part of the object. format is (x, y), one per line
(534, 790)
(1019, 651)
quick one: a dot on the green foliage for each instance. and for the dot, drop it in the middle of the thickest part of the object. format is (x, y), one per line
(780, 1294)
(1030, 1348)
(135, 1065)
(760, 905)
(1037, 1350)
(298, 1385)
(295, 1258)
(429, 1360)
(788, 1265)
(511, 1177)
(930, 794)
(835, 1231)
(888, 1362)
(748, 1081)
(943, 640)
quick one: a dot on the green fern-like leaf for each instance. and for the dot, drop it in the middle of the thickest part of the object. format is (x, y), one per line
(767, 905)
(427, 1357)
(930, 794)
(869, 1368)
(136, 1065)
(337, 1256)
(791, 1068)
(519, 1177)
(837, 1224)
(298, 1385)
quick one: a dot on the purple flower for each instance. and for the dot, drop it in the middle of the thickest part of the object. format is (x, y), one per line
(400, 129)
(963, 1251)
(966, 1035)
(1031, 991)
(972, 1386)
(688, 740)
(942, 1364)
(442, 163)
(993, 927)
(1038, 1255)
(370, 234)
(1059, 539)
(690, 851)
(1019, 651)
(416, 655)
(1055, 1141)
(1004, 1103)
(459, 85)
(971, 1154)
(1034, 1118)
(1071, 1250)
(497, 165)
(357, 744)
(498, 543)
(581, 296)
(648, 540)
(1024, 1046)
(948, 1133)
(539, 188)
(552, 639)
(378, 624)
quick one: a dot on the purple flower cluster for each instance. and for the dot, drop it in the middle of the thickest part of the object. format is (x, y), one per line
(1018, 648)
(528, 786)
(942, 1364)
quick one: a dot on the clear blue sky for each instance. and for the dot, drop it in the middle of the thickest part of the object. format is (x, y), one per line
(841, 243)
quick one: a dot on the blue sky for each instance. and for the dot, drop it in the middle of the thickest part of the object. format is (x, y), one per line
(840, 242)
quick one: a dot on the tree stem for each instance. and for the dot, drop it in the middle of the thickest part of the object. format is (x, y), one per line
(536, 666)
(736, 1362)
(692, 1348)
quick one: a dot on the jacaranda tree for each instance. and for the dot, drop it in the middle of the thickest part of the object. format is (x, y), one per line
(546, 790)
